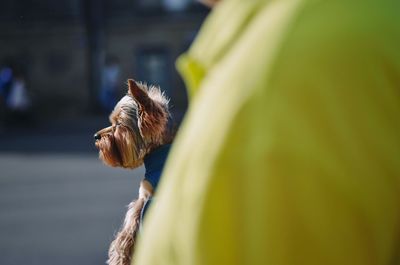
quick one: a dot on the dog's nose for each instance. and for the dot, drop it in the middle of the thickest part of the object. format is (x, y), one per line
(97, 136)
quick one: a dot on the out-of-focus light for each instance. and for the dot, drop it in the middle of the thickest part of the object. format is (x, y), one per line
(5, 74)
(175, 5)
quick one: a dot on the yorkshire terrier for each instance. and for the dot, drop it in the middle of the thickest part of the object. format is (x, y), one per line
(140, 133)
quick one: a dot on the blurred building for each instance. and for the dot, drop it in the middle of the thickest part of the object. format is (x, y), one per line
(61, 47)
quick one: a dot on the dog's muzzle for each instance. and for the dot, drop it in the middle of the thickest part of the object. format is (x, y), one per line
(97, 136)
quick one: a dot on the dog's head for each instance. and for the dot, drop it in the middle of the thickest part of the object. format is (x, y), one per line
(139, 124)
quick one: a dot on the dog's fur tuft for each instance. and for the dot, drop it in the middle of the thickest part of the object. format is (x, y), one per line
(121, 248)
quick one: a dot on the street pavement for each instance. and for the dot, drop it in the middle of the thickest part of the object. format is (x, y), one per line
(58, 203)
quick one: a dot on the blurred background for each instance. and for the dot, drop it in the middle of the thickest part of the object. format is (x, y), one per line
(63, 66)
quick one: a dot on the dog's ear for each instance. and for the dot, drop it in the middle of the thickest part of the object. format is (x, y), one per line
(139, 95)
(152, 117)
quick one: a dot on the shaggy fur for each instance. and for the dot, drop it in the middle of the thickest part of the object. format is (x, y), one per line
(139, 124)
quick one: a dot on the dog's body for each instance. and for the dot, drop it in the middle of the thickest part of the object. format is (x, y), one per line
(139, 133)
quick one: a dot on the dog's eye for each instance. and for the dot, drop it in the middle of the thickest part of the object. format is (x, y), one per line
(115, 125)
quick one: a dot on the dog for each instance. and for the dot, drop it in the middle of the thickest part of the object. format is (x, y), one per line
(140, 133)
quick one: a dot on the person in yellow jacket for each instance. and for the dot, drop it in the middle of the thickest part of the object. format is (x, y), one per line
(290, 151)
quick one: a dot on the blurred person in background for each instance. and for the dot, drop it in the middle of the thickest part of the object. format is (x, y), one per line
(15, 98)
(110, 83)
(290, 151)
(6, 80)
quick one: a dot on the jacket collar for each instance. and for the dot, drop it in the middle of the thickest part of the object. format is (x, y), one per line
(154, 164)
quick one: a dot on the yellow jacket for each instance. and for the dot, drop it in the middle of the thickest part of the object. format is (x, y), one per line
(290, 151)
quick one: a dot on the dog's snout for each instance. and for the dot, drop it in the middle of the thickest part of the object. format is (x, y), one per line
(97, 135)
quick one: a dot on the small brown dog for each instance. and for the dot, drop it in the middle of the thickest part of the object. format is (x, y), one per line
(140, 133)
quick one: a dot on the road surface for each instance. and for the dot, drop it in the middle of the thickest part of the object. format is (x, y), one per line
(59, 205)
